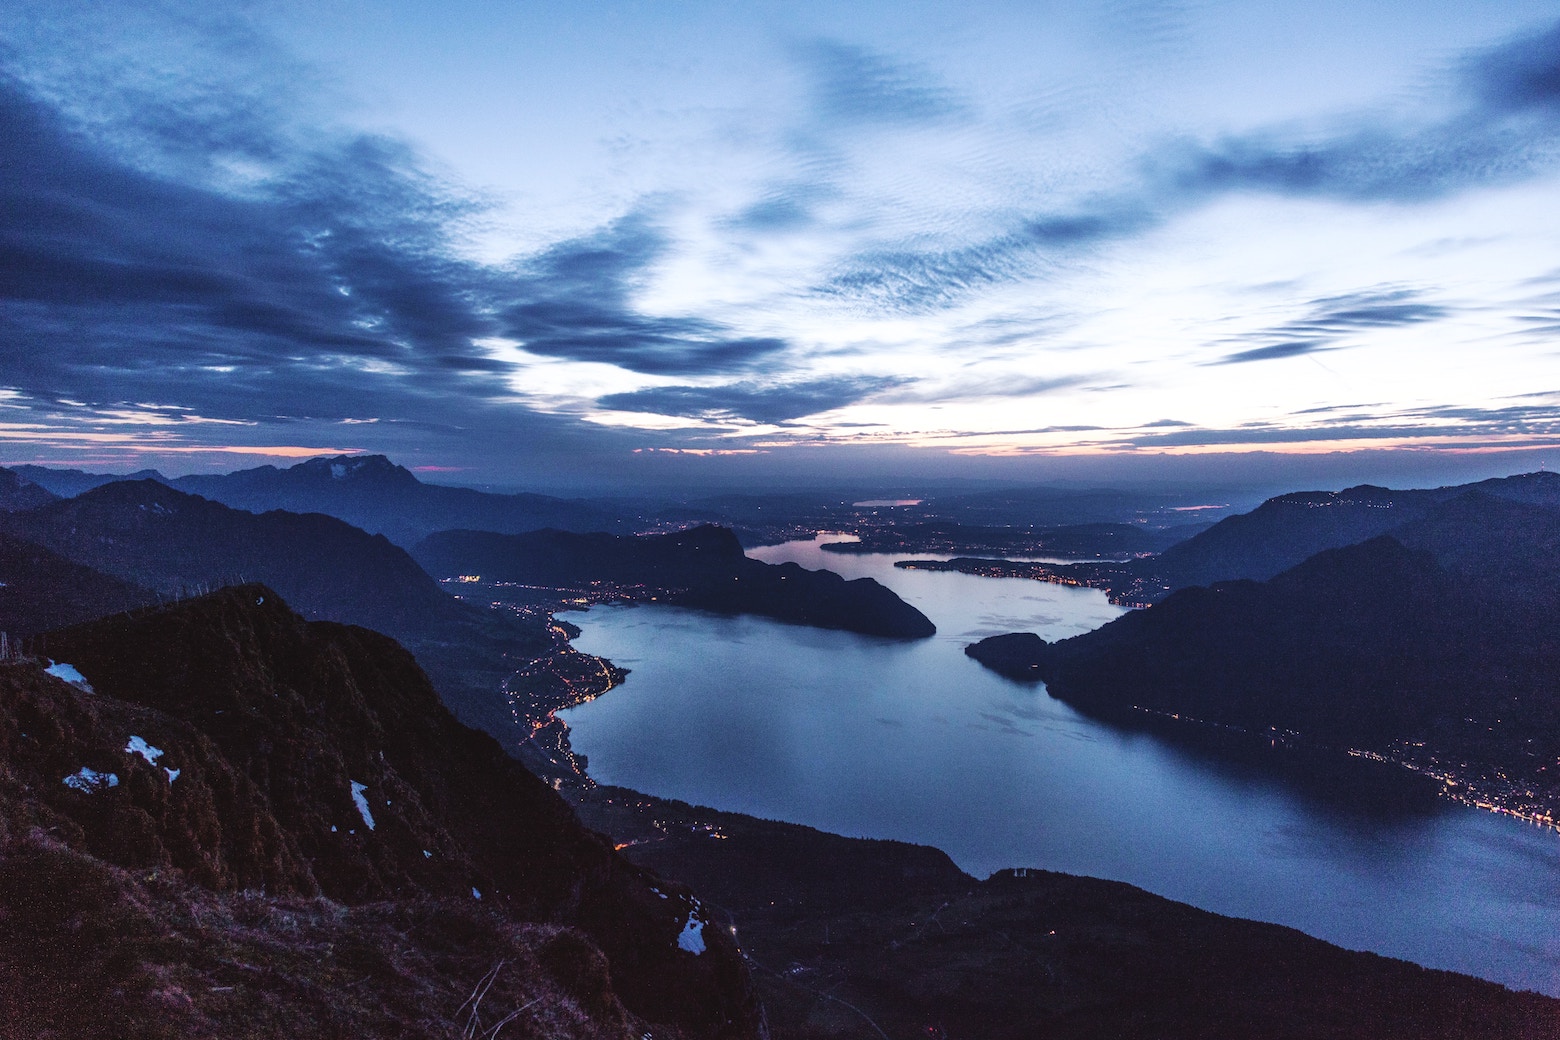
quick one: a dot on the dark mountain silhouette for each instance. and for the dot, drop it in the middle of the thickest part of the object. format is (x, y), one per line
(371, 492)
(68, 483)
(1284, 531)
(40, 590)
(167, 837)
(150, 534)
(174, 543)
(701, 567)
(1443, 637)
(18, 493)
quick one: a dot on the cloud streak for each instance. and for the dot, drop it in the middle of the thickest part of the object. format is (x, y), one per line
(574, 302)
(1332, 320)
(751, 401)
(1503, 128)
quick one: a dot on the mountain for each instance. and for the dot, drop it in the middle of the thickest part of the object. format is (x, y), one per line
(256, 825)
(40, 590)
(1284, 531)
(701, 567)
(371, 492)
(1435, 646)
(18, 493)
(68, 483)
(153, 535)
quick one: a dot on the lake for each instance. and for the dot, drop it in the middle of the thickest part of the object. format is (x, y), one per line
(914, 741)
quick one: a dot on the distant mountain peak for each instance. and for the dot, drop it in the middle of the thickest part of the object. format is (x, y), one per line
(353, 467)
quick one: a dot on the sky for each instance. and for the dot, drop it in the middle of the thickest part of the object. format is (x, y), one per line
(550, 244)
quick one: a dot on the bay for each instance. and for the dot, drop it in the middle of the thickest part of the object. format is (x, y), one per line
(914, 741)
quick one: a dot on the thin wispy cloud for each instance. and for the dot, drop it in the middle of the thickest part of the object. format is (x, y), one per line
(753, 402)
(854, 85)
(1332, 320)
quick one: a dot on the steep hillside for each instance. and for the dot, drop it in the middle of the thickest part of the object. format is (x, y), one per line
(230, 748)
(174, 543)
(18, 493)
(40, 590)
(145, 532)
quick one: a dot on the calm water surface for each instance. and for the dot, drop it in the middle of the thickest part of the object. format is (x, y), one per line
(915, 741)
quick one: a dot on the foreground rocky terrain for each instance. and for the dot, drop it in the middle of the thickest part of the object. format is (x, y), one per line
(253, 825)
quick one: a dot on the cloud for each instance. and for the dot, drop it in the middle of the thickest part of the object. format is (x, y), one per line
(574, 301)
(1502, 126)
(1521, 75)
(759, 403)
(323, 285)
(1332, 319)
(858, 86)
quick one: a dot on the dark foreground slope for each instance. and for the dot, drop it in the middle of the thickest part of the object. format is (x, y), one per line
(701, 567)
(854, 938)
(260, 826)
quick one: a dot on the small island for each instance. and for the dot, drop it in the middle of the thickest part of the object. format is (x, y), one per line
(1016, 655)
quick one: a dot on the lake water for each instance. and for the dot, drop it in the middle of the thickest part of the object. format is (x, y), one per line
(914, 741)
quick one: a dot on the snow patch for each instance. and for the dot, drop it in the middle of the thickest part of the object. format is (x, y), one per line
(658, 892)
(138, 746)
(173, 774)
(476, 895)
(69, 673)
(692, 936)
(362, 803)
(89, 780)
(427, 854)
(338, 471)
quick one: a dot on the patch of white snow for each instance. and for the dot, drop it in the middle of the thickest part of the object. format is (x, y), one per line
(337, 470)
(476, 895)
(173, 774)
(692, 936)
(89, 780)
(69, 673)
(427, 854)
(138, 746)
(362, 803)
